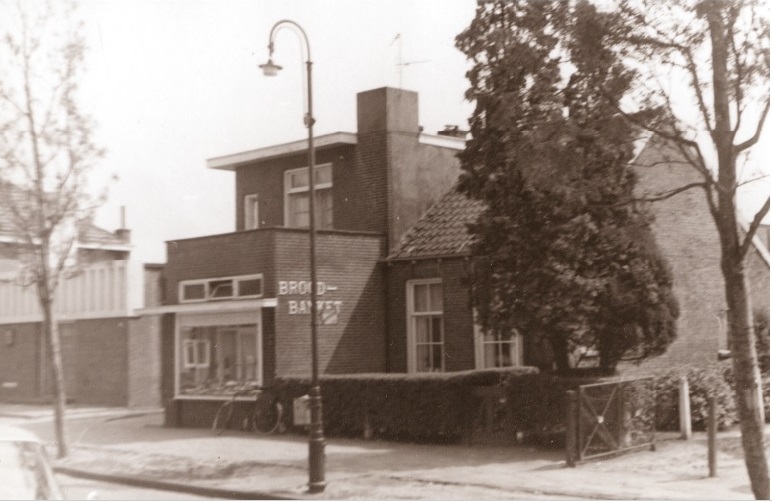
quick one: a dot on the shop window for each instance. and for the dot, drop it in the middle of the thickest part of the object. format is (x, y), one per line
(426, 331)
(498, 348)
(251, 212)
(217, 360)
(296, 197)
(224, 288)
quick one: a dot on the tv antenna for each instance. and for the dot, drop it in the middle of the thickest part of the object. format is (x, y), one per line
(400, 63)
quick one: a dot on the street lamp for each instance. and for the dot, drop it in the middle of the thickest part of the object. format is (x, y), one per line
(316, 441)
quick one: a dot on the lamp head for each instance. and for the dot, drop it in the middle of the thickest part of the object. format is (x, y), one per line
(270, 69)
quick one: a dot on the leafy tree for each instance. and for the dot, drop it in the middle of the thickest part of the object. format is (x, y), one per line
(699, 82)
(46, 154)
(562, 254)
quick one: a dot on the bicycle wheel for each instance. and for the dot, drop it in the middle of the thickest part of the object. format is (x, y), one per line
(223, 418)
(267, 417)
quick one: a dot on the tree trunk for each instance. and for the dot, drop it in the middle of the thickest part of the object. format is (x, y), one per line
(60, 394)
(560, 353)
(747, 380)
(740, 315)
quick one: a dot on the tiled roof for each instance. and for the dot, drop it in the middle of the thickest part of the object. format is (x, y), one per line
(442, 231)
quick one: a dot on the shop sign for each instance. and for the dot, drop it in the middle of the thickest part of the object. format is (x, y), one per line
(327, 310)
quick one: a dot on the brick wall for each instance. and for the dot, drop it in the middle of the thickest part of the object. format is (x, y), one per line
(457, 315)
(95, 355)
(20, 361)
(239, 253)
(365, 186)
(266, 179)
(350, 264)
(402, 178)
(144, 362)
(688, 238)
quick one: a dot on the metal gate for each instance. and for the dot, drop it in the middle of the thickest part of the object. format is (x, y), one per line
(610, 418)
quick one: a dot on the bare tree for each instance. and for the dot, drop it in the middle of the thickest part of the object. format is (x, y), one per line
(46, 156)
(720, 48)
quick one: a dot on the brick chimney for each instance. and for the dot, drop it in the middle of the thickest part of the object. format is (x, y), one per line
(123, 233)
(387, 109)
(411, 175)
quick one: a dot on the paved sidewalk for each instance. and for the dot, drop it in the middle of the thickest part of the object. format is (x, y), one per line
(241, 465)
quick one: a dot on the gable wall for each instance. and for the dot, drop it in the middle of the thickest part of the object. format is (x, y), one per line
(687, 236)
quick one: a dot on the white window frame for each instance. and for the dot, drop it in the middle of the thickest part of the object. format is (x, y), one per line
(218, 320)
(209, 291)
(411, 315)
(251, 212)
(288, 190)
(479, 349)
(198, 346)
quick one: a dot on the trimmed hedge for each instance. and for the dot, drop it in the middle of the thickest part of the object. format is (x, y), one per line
(436, 407)
(446, 407)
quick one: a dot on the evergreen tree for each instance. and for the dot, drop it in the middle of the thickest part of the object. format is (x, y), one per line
(562, 252)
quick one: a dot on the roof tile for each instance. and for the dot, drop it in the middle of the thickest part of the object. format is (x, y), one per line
(442, 231)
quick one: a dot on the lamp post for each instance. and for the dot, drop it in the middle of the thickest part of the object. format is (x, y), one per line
(316, 441)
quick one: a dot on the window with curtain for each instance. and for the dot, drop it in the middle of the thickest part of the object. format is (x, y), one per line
(296, 197)
(426, 330)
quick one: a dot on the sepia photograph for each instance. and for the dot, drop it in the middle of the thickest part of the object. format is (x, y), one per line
(384, 249)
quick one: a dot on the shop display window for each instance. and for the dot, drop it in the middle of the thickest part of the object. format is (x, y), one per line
(218, 360)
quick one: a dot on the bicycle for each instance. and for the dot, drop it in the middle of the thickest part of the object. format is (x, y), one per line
(265, 417)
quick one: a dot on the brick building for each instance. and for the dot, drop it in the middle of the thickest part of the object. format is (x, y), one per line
(437, 250)
(392, 255)
(110, 356)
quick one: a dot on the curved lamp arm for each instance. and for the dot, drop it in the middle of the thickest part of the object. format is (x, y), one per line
(271, 69)
(286, 23)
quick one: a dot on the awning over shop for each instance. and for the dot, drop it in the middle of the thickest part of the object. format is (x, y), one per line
(210, 307)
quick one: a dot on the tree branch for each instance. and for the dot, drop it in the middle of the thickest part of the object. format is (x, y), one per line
(759, 126)
(752, 180)
(753, 227)
(671, 193)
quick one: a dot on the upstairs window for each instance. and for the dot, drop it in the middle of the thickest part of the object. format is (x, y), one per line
(251, 212)
(296, 197)
(222, 288)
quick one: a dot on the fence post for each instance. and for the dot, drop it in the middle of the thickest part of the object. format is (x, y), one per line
(571, 427)
(684, 408)
(712, 426)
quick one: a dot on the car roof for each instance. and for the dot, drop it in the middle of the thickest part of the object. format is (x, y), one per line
(10, 433)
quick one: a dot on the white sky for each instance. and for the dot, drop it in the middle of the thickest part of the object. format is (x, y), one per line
(172, 83)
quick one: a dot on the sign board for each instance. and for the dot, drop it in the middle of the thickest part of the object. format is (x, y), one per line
(301, 410)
